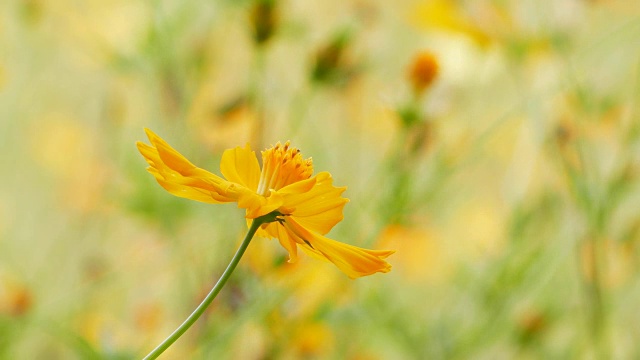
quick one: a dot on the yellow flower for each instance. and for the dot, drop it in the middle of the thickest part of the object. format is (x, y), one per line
(309, 206)
(449, 16)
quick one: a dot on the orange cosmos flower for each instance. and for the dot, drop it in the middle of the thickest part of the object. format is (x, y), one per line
(307, 206)
(423, 71)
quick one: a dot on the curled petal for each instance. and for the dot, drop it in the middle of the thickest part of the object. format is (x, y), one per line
(172, 158)
(257, 205)
(188, 192)
(240, 165)
(181, 178)
(277, 231)
(352, 260)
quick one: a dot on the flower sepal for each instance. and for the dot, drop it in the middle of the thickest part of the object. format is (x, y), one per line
(270, 217)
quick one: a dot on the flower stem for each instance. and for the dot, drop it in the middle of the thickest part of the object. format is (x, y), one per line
(213, 293)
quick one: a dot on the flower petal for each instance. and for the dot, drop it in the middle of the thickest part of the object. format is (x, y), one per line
(352, 260)
(299, 187)
(181, 178)
(318, 209)
(240, 165)
(258, 205)
(277, 231)
(188, 192)
(169, 156)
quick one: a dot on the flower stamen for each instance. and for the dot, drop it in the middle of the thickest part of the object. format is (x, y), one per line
(281, 166)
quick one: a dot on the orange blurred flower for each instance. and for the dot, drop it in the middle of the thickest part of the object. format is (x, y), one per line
(423, 71)
(16, 299)
(307, 206)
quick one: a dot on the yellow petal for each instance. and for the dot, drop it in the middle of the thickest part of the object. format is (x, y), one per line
(188, 192)
(320, 208)
(353, 261)
(240, 165)
(299, 187)
(168, 155)
(180, 177)
(258, 205)
(277, 231)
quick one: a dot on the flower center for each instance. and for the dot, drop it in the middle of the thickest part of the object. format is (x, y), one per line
(281, 166)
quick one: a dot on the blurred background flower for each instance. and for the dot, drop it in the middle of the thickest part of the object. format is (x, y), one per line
(509, 185)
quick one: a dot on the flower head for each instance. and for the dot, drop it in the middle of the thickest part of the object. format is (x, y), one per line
(423, 71)
(307, 206)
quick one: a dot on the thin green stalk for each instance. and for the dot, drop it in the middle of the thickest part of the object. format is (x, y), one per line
(257, 96)
(214, 292)
(595, 292)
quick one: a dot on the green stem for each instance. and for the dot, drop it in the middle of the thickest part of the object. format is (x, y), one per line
(214, 292)
(257, 96)
(598, 319)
